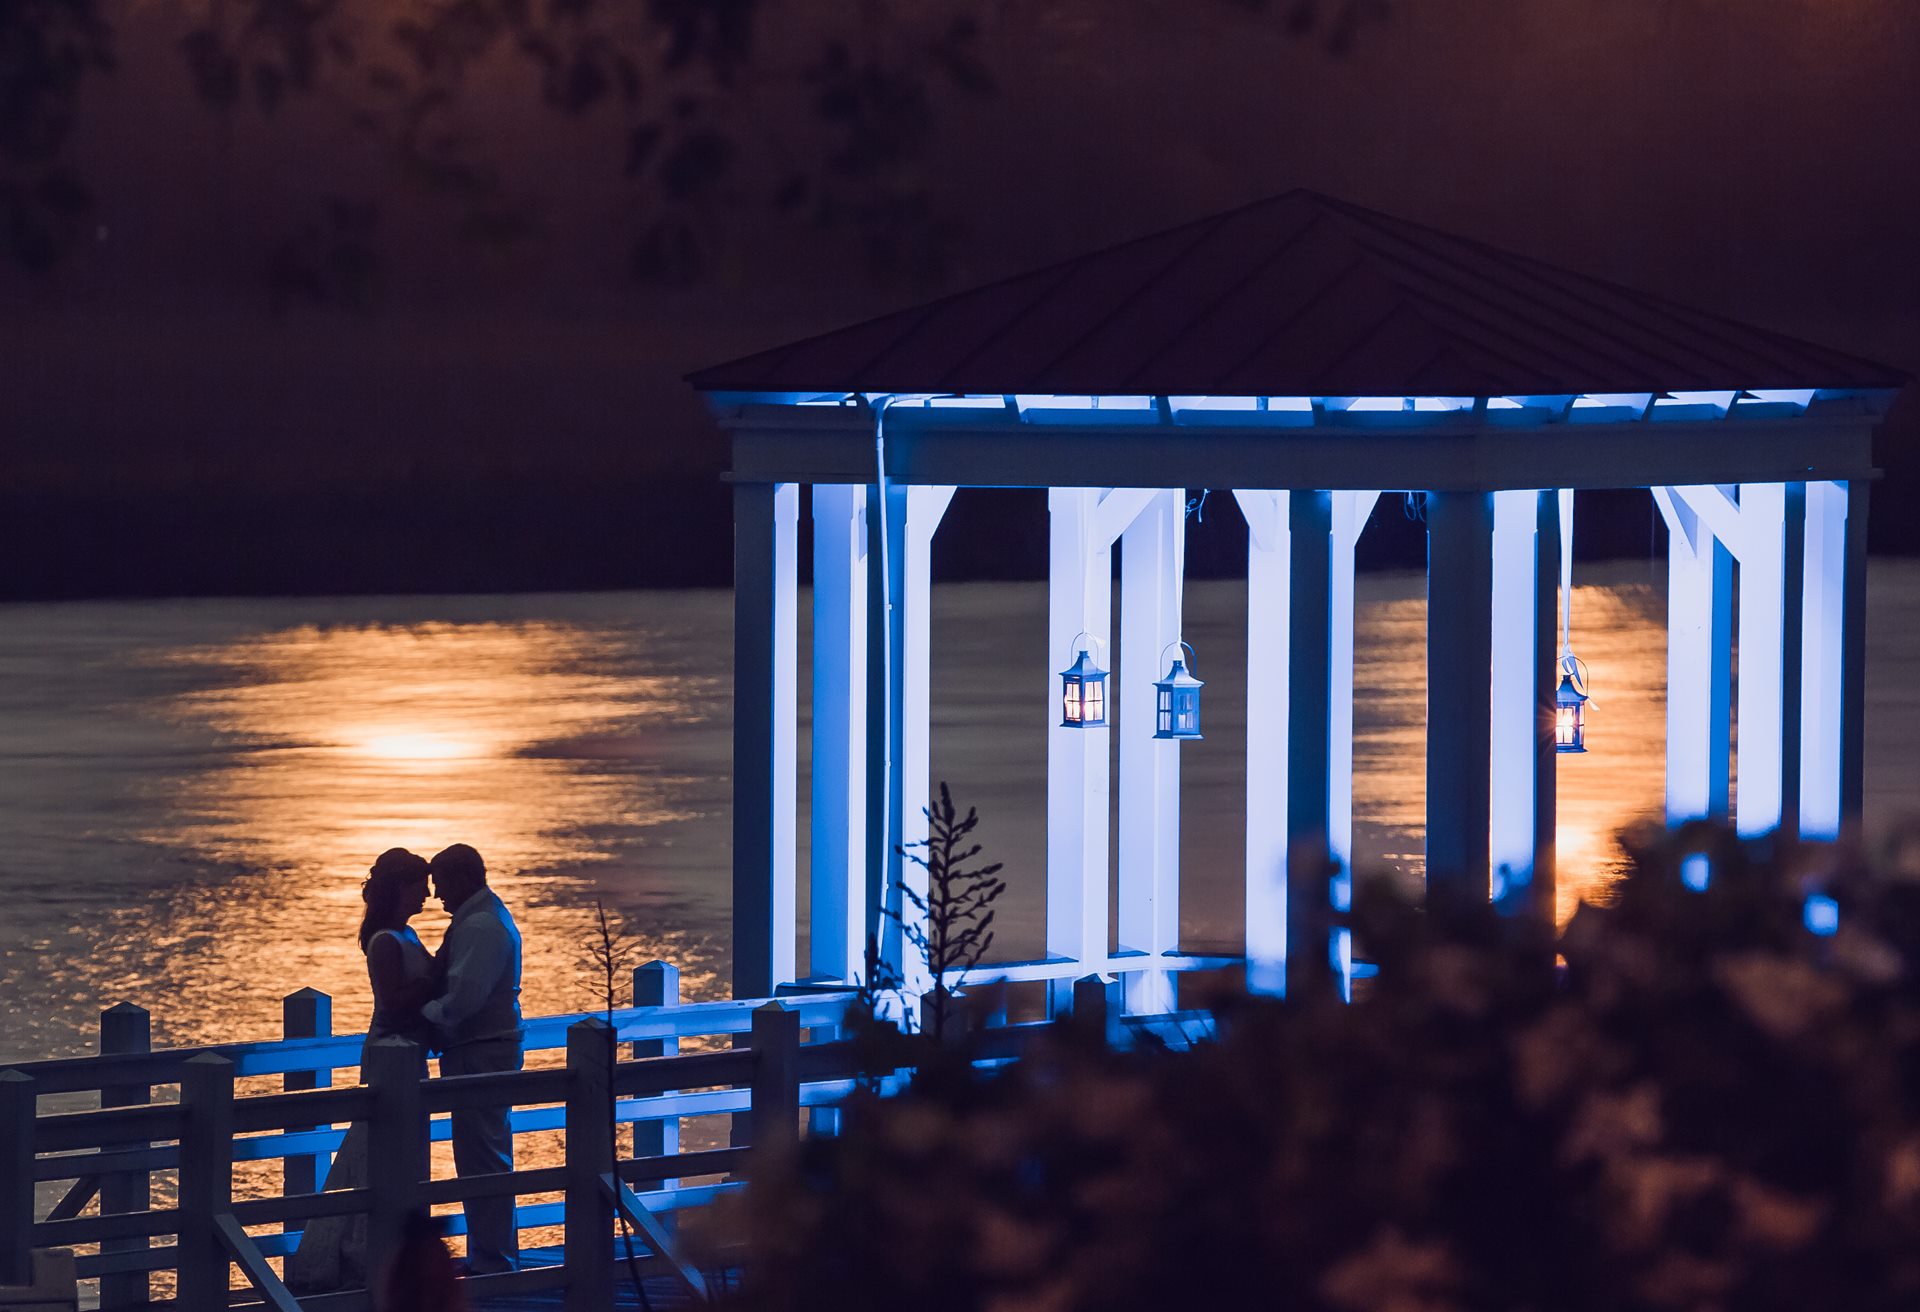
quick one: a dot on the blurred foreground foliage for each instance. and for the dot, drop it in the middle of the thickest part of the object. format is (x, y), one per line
(1707, 1107)
(825, 112)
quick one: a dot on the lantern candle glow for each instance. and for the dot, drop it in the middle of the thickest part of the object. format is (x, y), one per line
(1570, 707)
(1083, 694)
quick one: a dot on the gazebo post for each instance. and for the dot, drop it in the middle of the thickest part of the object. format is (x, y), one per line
(765, 526)
(1768, 661)
(913, 516)
(1543, 890)
(1351, 511)
(1853, 659)
(1459, 709)
(1079, 601)
(839, 908)
(1823, 672)
(1699, 660)
(1309, 850)
(1084, 523)
(1149, 858)
(1793, 652)
(1522, 801)
(1269, 601)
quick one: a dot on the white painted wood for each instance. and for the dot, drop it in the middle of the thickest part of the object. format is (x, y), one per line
(764, 733)
(1351, 511)
(1149, 857)
(786, 727)
(1084, 523)
(1699, 657)
(1078, 601)
(1118, 507)
(926, 507)
(1759, 791)
(1822, 670)
(1716, 508)
(838, 910)
(1459, 701)
(1269, 598)
(1516, 712)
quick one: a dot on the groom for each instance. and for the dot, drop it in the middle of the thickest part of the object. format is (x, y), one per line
(477, 1019)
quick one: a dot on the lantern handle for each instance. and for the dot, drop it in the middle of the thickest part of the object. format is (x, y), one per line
(1180, 642)
(1074, 647)
(1572, 667)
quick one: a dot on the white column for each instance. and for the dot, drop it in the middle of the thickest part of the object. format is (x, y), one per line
(1085, 522)
(765, 713)
(839, 912)
(913, 768)
(1459, 695)
(1078, 601)
(1699, 657)
(1149, 903)
(1760, 793)
(1351, 511)
(1516, 681)
(786, 731)
(1822, 670)
(1269, 598)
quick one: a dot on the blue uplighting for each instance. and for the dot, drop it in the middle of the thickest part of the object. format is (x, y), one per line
(1696, 871)
(1822, 915)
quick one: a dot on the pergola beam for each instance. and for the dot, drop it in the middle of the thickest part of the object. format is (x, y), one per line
(984, 449)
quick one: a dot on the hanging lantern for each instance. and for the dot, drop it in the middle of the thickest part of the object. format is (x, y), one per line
(1570, 706)
(1177, 700)
(1083, 691)
(1570, 700)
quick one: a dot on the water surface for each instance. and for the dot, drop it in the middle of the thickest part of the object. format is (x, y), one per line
(191, 791)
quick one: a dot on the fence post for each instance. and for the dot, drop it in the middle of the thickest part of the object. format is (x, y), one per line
(959, 1011)
(590, 1155)
(307, 1014)
(773, 1127)
(656, 984)
(206, 1179)
(125, 1029)
(1094, 1005)
(396, 1144)
(17, 1109)
(774, 1111)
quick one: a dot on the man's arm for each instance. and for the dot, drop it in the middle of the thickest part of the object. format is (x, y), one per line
(476, 958)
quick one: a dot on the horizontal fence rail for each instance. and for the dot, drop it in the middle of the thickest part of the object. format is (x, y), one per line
(108, 1155)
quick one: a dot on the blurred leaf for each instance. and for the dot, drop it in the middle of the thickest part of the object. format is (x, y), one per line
(641, 143)
(695, 162)
(215, 72)
(793, 192)
(268, 84)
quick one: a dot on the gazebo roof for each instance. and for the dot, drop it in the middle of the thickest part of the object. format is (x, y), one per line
(1299, 295)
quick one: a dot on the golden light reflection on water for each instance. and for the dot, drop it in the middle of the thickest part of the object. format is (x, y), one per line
(349, 739)
(1618, 630)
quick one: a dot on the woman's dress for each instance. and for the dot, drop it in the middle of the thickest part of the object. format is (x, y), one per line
(333, 1249)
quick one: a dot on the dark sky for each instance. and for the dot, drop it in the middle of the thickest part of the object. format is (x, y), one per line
(513, 417)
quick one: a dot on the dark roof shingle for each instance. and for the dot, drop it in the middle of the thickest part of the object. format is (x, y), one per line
(1299, 295)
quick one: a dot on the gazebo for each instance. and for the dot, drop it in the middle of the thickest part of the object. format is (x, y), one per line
(1307, 354)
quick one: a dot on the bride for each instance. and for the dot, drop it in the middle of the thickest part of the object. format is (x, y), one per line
(333, 1250)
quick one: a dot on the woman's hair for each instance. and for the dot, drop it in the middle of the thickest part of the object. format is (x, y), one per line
(392, 875)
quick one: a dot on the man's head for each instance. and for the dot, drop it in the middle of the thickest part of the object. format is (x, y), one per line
(458, 873)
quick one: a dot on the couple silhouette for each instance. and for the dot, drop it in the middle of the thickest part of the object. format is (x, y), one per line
(462, 1003)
